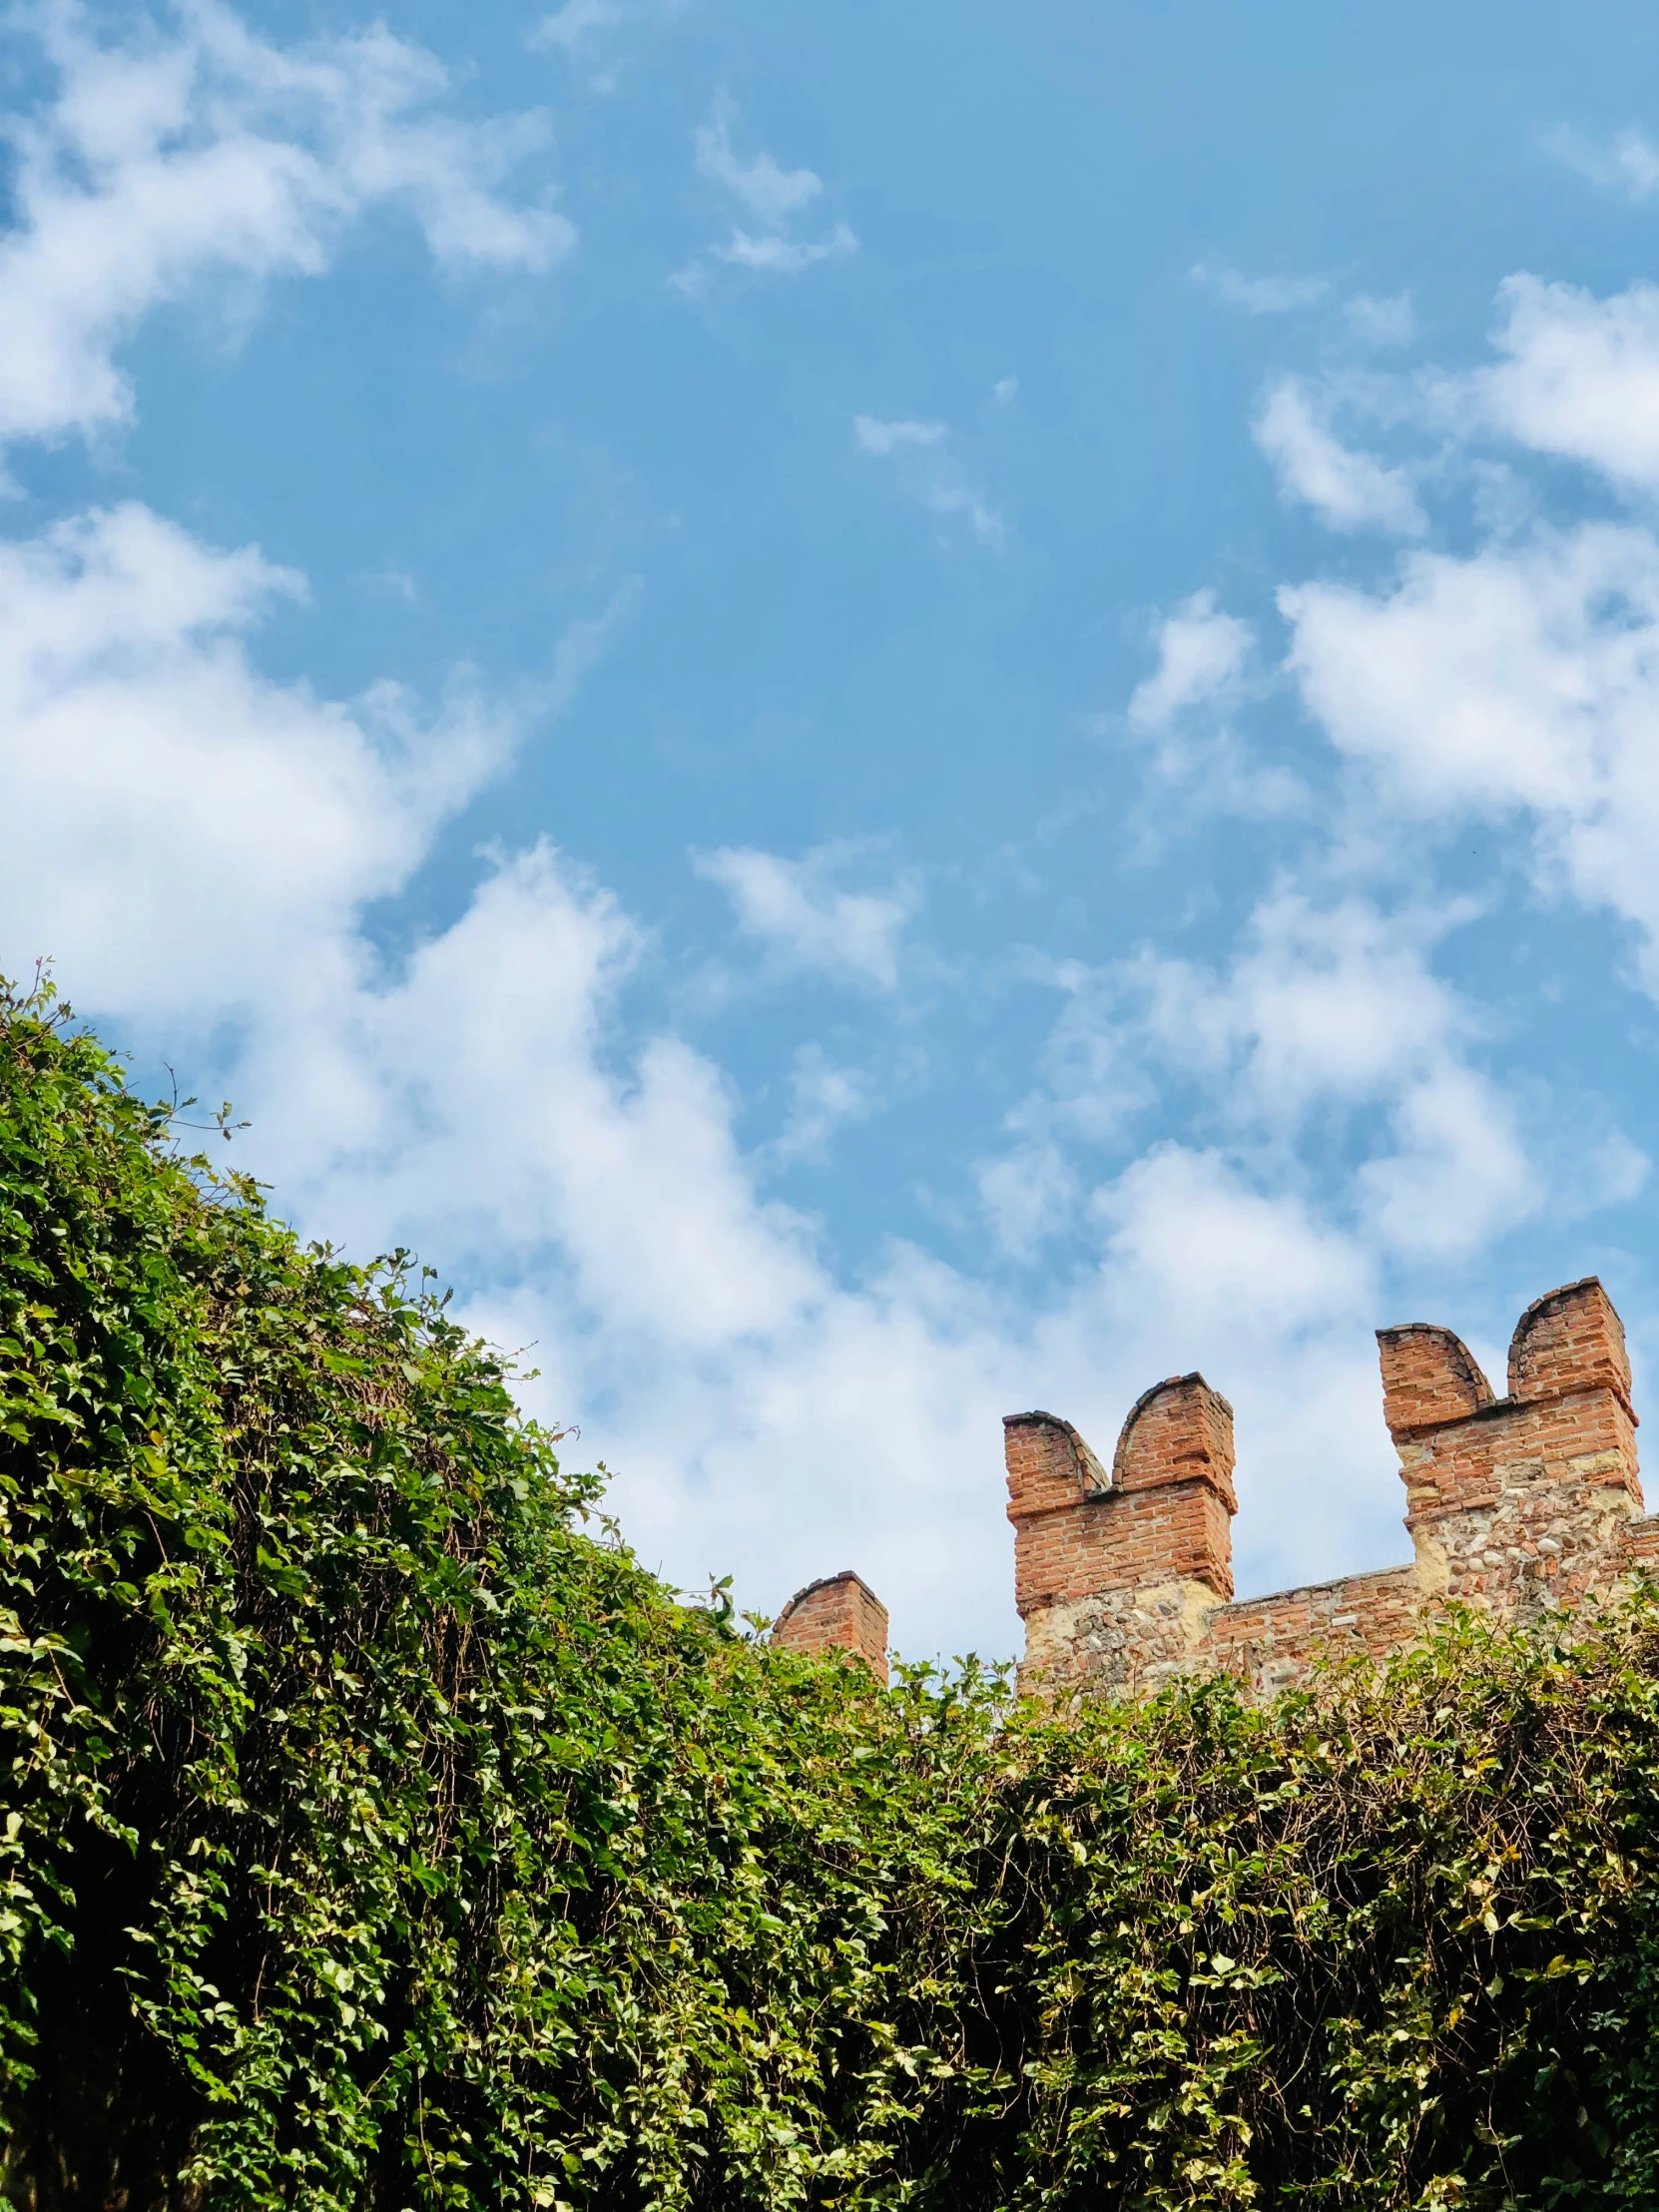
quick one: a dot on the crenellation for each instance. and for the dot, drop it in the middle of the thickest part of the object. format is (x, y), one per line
(1521, 1506)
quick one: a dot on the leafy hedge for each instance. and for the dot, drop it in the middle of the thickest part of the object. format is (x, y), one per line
(377, 1835)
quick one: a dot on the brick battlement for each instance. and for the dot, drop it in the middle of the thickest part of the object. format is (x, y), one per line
(1521, 1505)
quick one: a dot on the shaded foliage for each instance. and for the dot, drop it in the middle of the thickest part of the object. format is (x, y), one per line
(377, 1835)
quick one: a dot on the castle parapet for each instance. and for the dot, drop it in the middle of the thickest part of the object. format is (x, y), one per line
(1518, 1505)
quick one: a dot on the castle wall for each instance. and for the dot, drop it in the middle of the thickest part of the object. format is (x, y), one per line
(1520, 1505)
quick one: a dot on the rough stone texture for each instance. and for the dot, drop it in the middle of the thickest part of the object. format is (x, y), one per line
(1520, 1505)
(840, 1613)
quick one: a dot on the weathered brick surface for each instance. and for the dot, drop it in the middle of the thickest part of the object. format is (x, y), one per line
(1428, 1378)
(840, 1613)
(1521, 1505)
(1567, 1340)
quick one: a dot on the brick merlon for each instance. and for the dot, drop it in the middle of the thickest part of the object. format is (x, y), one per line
(1049, 1465)
(1429, 1377)
(1569, 1340)
(1180, 1431)
(839, 1612)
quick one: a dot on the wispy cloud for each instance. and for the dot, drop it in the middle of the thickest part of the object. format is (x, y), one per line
(806, 920)
(1347, 490)
(823, 1098)
(1372, 320)
(592, 37)
(783, 257)
(1260, 294)
(1187, 712)
(1628, 162)
(882, 438)
(572, 27)
(772, 198)
(931, 471)
(1390, 320)
(773, 195)
(1201, 655)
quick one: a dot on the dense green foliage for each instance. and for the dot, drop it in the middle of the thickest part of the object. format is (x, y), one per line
(377, 1835)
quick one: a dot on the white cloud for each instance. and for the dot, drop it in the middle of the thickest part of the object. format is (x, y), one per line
(1029, 1193)
(930, 473)
(1330, 1010)
(1579, 377)
(772, 194)
(1515, 680)
(1319, 1003)
(498, 1024)
(785, 257)
(571, 27)
(165, 161)
(1329, 1015)
(1185, 710)
(1381, 322)
(1189, 1233)
(1521, 680)
(1460, 1176)
(1260, 294)
(171, 867)
(772, 197)
(1629, 161)
(1347, 490)
(1203, 1269)
(872, 435)
(1201, 655)
(1335, 1008)
(806, 920)
(823, 1099)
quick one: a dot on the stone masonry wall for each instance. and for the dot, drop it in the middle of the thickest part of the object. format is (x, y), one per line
(1520, 1505)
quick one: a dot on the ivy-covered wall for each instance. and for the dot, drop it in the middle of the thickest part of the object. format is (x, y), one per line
(376, 1835)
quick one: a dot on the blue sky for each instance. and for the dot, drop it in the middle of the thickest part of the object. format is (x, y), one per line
(879, 714)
